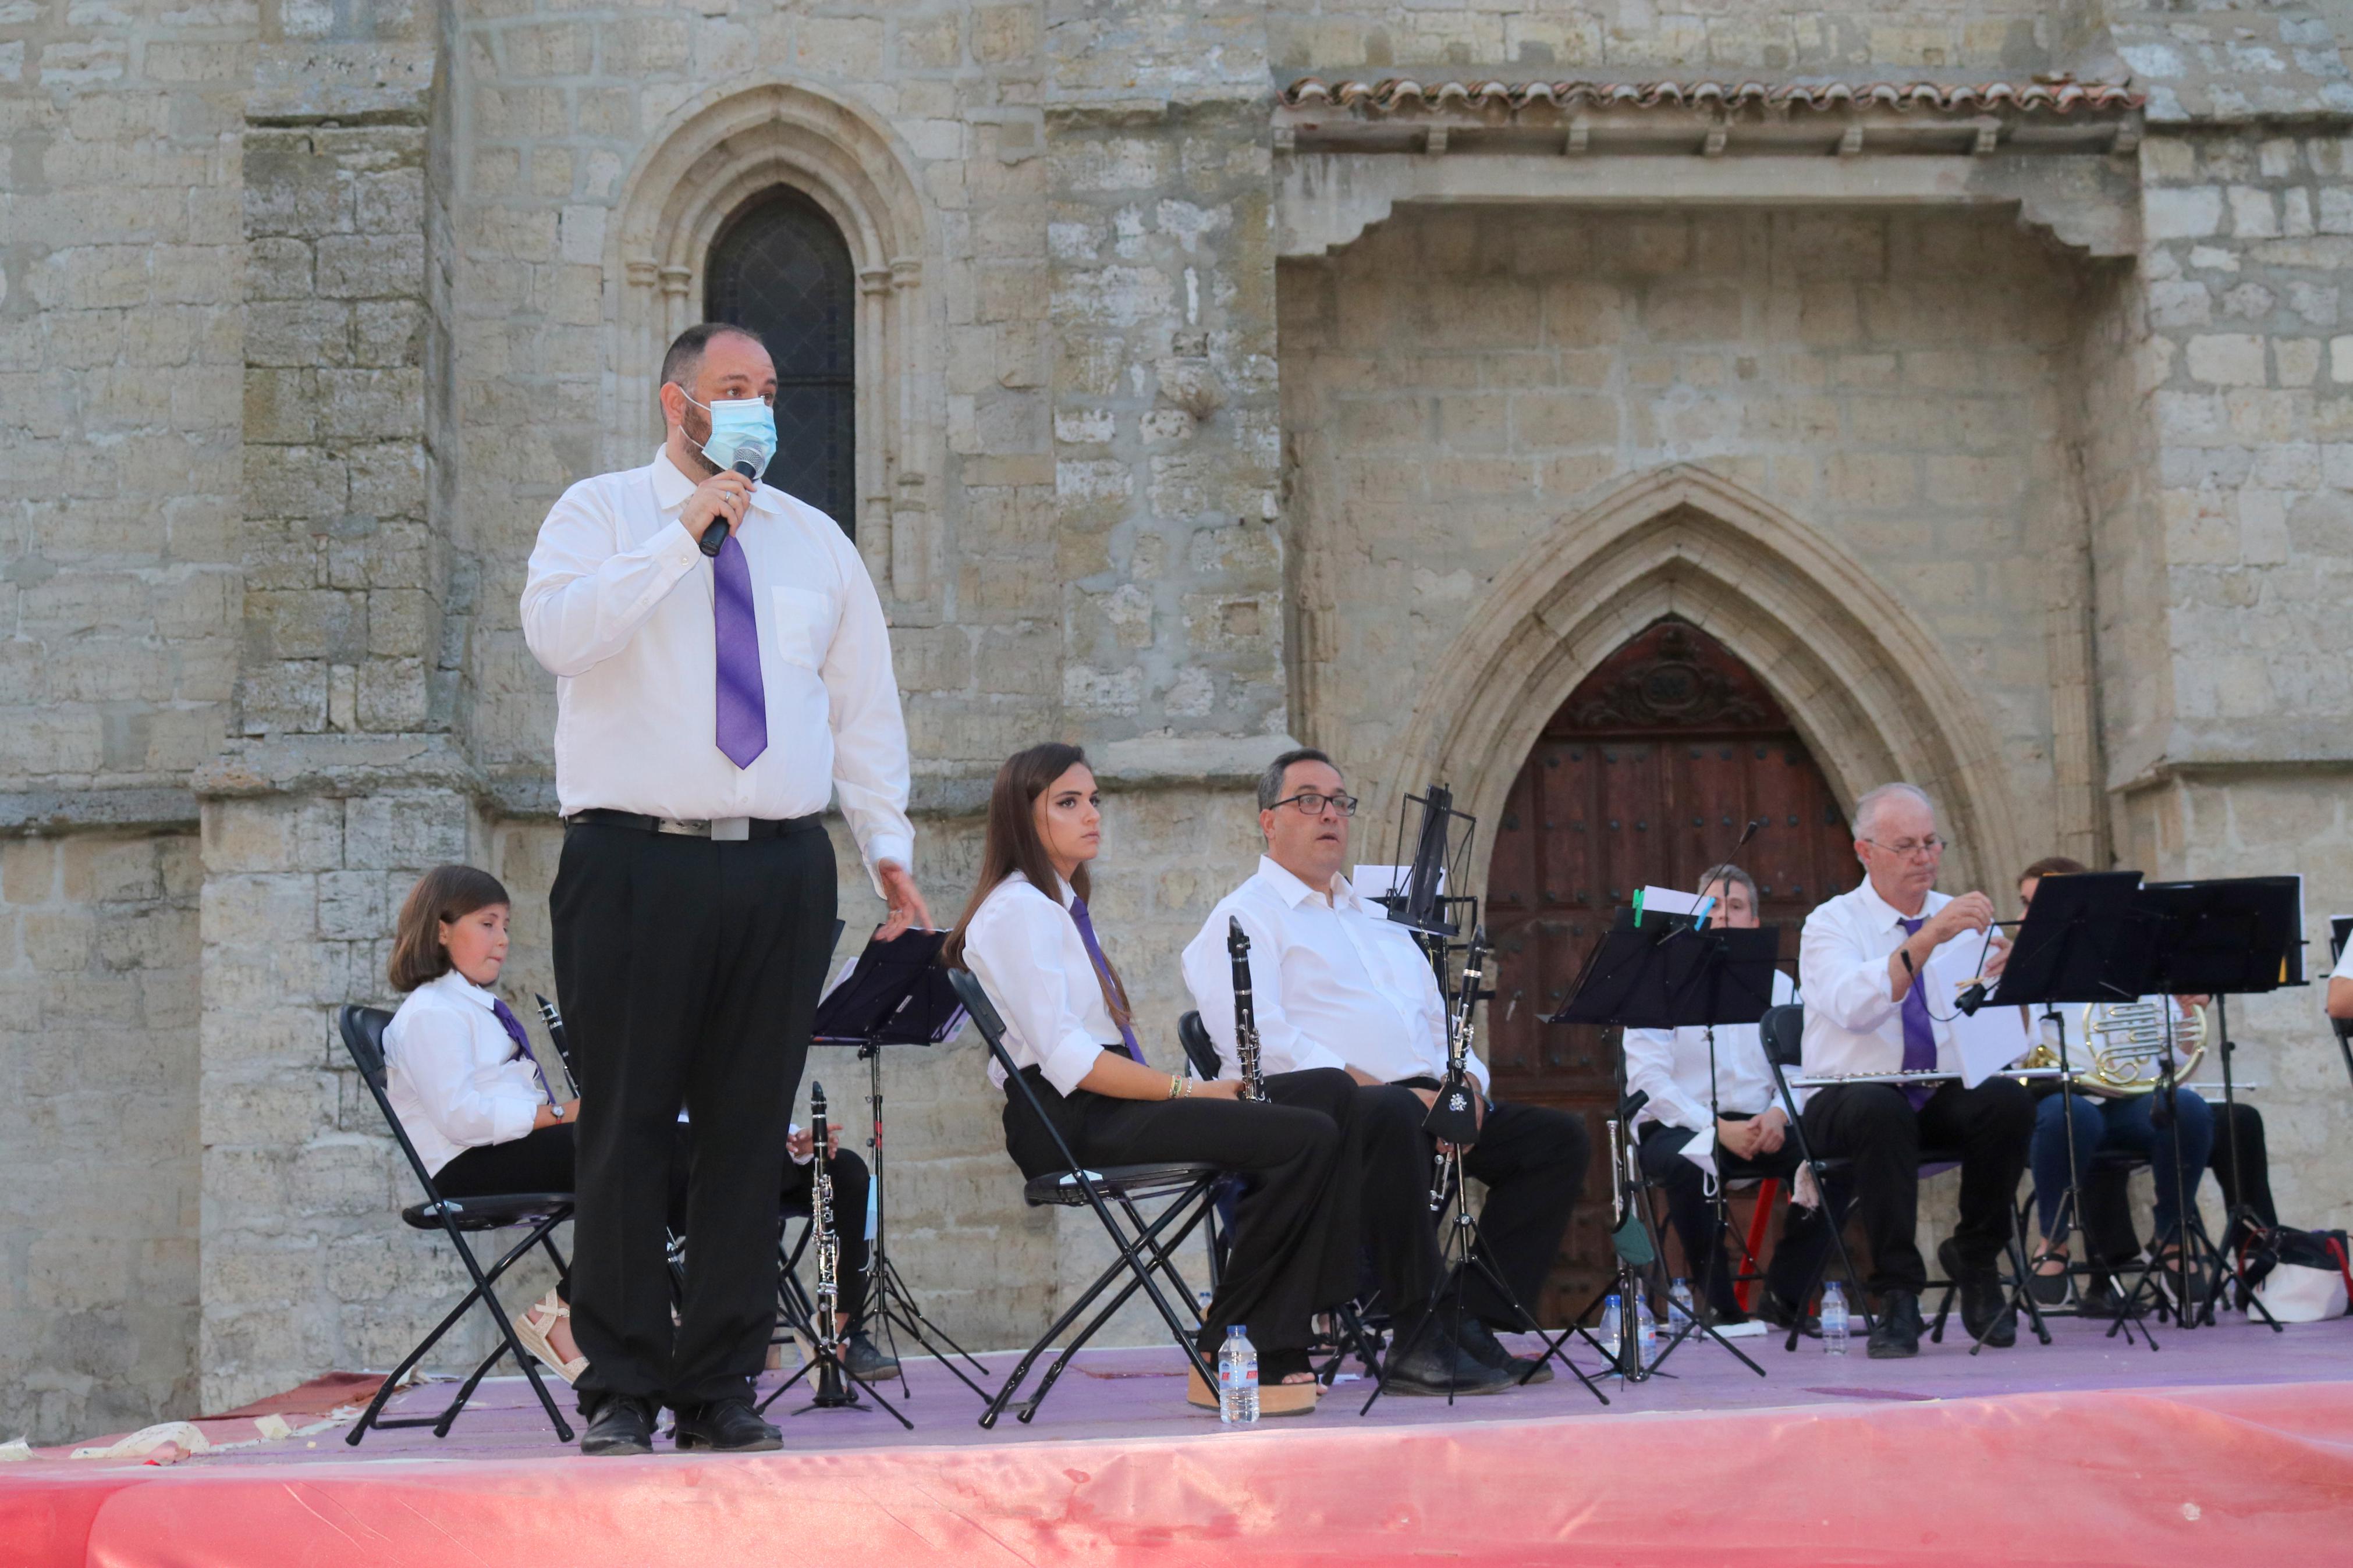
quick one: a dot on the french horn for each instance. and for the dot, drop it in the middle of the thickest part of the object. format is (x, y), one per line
(2124, 1046)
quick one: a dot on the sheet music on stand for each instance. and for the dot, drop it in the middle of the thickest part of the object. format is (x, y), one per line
(892, 994)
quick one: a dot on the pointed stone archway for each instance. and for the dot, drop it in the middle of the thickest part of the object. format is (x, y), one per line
(1867, 687)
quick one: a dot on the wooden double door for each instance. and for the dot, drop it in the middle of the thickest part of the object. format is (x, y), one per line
(1646, 776)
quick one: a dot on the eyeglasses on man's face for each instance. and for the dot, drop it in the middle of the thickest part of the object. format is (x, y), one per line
(1310, 802)
(1913, 849)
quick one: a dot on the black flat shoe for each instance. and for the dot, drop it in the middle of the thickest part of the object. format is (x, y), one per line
(1780, 1315)
(2049, 1289)
(728, 1427)
(622, 1424)
(1895, 1331)
(1480, 1343)
(1436, 1365)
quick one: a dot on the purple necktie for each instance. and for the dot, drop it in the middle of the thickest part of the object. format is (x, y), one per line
(1919, 1031)
(1102, 968)
(513, 1026)
(742, 700)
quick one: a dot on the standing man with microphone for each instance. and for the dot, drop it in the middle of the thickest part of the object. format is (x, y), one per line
(722, 668)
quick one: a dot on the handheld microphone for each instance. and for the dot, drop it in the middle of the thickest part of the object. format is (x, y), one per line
(747, 463)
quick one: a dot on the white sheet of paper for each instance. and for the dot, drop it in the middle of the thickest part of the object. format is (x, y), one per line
(1989, 1040)
(1668, 902)
(839, 975)
(1701, 1149)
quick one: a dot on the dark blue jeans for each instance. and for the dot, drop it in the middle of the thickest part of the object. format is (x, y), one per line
(2126, 1123)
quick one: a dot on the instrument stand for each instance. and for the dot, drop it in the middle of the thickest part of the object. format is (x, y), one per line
(1461, 1253)
(1672, 974)
(897, 994)
(828, 1374)
(2229, 937)
(2240, 1218)
(2078, 932)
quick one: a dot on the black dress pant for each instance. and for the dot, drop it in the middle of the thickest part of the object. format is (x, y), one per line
(542, 1161)
(1531, 1159)
(1394, 1171)
(1294, 1238)
(1873, 1125)
(2244, 1179)
(1804, 1236)
(688, 970)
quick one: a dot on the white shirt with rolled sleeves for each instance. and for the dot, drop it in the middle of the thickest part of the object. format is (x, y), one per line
(1853, 1025)
(1024, 948)
(452, 1073)
(617, 605)
(1333, 985)
(1670, 1067)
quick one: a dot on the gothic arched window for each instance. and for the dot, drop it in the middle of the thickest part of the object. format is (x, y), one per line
(779, 266)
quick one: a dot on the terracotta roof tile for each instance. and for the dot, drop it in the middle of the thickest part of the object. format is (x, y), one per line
(1403, 95)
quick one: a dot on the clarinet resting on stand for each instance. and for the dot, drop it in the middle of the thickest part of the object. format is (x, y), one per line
(826, 1322)
(1246, 1047)
(1453, 1120)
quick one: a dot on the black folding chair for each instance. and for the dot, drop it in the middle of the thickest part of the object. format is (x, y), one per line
(363, 1032)
(1144, 1245)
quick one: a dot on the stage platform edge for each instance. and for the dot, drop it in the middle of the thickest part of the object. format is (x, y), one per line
(2205, 1475)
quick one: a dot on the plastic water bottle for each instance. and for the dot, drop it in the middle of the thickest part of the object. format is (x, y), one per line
(1646, 1329)
(1833, 1319)
(1679, 1305)
(1237, 1378)
(1610, 1320)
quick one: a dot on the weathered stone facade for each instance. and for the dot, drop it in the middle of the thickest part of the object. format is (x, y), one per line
(2009, 436)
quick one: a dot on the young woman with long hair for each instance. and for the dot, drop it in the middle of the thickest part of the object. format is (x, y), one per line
(1029, 938)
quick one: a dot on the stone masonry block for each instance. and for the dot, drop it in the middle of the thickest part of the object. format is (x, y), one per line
(301, 334)
(405, 831)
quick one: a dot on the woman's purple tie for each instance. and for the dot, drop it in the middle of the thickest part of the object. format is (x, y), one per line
(1102, 968)
(736, 626)
(513, 1026)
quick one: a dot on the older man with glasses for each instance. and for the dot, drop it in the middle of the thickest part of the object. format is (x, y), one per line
(1336, 983)
(1881, 967)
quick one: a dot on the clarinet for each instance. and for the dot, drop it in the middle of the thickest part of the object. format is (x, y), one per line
(1452, 1120)
(829, 1245)
(1246, 1052)
(555, 1035)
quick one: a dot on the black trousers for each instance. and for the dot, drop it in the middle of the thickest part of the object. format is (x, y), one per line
(688, 972)
(1804, 1236)
(1399, 1232)
(2245, 1180)
(1531, 1159)
(1294, 1239)
(1873, 1125)
(542, 1161)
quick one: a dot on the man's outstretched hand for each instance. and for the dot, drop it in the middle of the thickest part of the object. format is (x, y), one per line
(907, 907)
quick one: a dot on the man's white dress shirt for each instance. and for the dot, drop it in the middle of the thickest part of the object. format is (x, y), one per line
(1334, 982)
(1853, 1024)
(617, 605)
(1025, 950)
(1671, 1066)
(453, 1074)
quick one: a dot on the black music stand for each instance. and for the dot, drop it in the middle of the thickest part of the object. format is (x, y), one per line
(2082, 941)
(897, 994)
(2235, 936)
(1668, 973)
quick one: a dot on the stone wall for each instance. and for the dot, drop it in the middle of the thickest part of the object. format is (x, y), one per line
(97, 1132)
(1461, 381)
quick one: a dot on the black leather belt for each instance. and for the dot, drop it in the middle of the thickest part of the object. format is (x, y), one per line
(757, 826)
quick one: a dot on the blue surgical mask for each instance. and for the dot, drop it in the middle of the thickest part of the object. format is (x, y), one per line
(737, 422)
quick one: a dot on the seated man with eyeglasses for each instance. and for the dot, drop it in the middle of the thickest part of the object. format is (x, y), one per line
(1335, 983)
(1881, 968)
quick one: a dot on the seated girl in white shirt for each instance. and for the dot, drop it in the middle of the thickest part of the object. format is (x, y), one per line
(461, 1078)
(1028, 936)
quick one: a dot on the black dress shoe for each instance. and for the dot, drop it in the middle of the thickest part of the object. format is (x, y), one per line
(730, 1427)
(620, 1424)
(1895, 1331)
(866, 1360)
(1435, 1365)
(1480, 1343)
(1986, 1311)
